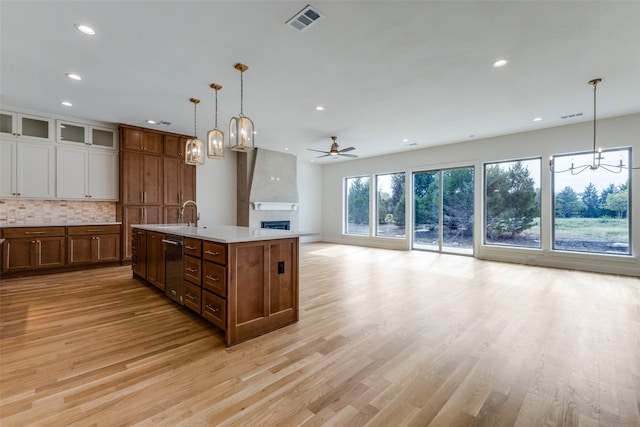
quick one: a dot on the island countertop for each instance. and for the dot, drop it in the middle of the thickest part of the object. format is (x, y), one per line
(223, 233)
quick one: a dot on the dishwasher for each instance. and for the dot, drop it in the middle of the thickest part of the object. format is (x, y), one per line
(174, 288)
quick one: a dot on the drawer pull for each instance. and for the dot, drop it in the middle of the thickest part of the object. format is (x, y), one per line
(212, 309)
(191, 270)
(190, 297)
(215, 279)
(35, 232)
(98, 230)
(191, 248)
(211, 253)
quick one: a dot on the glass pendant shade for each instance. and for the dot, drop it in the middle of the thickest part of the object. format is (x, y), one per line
(215, 137)
(194, 152)
(241, 134)
(194, 148)
(215, 144)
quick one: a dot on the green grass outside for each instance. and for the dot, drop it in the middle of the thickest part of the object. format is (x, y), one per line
(610, 229)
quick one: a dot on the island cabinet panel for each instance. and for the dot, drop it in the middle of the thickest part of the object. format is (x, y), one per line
(139, 253)
(155, 260)
(262, 292)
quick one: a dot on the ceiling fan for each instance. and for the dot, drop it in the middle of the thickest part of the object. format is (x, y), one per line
(334, 151)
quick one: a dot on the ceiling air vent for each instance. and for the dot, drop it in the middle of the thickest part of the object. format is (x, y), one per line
(571, 116)
(305, 18)
(164, 123)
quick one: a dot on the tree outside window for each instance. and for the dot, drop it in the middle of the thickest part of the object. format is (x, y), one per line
(390, 205)
(357, 203)
(512, 203)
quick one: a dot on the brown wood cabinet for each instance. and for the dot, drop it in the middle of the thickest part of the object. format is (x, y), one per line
(139, 139)
(93, 244)
(139, 253)
(154, 181)
(246, 289)
(155, 260)
(31, 249)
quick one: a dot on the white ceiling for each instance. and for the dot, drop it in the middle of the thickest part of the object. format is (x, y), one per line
(384, 70)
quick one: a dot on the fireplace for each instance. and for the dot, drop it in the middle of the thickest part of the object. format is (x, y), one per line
(277, 225)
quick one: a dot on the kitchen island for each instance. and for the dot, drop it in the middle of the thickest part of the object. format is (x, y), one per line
(243, 280)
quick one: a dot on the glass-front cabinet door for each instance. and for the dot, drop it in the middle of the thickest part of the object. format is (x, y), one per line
(17, 124)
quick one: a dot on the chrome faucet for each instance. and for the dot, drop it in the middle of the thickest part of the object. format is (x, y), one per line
(197, 213)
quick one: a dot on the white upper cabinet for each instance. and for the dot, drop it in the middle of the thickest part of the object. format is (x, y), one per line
(28, 170)
(77, 133)
(26, 125)
(84, 174)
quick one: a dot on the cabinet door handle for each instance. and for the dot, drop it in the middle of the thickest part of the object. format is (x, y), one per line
(144, 213)
(95, 231)
(208, 252)
(144, 197)
(212, 309)
(35, 232)
(215, 279)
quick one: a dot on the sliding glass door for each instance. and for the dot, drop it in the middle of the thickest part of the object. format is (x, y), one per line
(443, 210)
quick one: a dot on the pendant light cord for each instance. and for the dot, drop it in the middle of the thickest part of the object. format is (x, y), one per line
(195, 123)
(241, 92)
(216, 109)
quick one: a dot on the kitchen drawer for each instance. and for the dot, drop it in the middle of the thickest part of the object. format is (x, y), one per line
(192, 268)
(214, 309)
(32, 232)
(193, 247)
(192, 297)
(214, 278)
(93, 230)
(214, 252)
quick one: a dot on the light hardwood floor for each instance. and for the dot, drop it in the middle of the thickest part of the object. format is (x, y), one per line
(385, 338)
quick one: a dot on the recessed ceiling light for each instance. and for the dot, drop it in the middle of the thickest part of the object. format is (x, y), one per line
(500, 63)
(286, 148)
(405, 140)
(85, 29)
(73, 76)
(319, 108)
(66, 104)
(537, 119)
(151, 122)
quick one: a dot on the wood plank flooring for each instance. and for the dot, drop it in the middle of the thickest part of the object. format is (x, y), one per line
(385, 338)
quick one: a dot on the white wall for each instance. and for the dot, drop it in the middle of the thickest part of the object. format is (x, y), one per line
(621, 131)
(216, 191)
(310, 194)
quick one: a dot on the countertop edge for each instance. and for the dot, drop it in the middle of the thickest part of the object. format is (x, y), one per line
(224, 233)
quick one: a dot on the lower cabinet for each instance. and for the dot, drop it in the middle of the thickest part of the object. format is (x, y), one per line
(29, 249)
(93, 244)
(33, 248)
(139, 253)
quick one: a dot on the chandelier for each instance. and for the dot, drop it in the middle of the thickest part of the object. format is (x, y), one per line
(215, 137)
(241, 132)
(597, 157)
(194, 148)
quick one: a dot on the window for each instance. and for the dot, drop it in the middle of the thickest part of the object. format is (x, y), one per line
(390, 205)
(443, 216)
(512, 203)
(357, 205)
(591, 209)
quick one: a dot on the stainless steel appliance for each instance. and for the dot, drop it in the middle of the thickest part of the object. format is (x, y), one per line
(174, 288)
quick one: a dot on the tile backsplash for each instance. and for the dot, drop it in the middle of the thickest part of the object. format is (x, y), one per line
(55, 211)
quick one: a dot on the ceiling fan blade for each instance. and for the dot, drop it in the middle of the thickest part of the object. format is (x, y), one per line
(344, 150)
(326, 155)
(311, 149)
(352, 156)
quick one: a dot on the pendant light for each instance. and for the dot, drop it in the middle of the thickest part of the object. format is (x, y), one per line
(241, 128)
(215, 137)
(194, 148)
(597, 157)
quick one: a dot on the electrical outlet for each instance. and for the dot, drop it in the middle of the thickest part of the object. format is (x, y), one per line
(280, 267)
